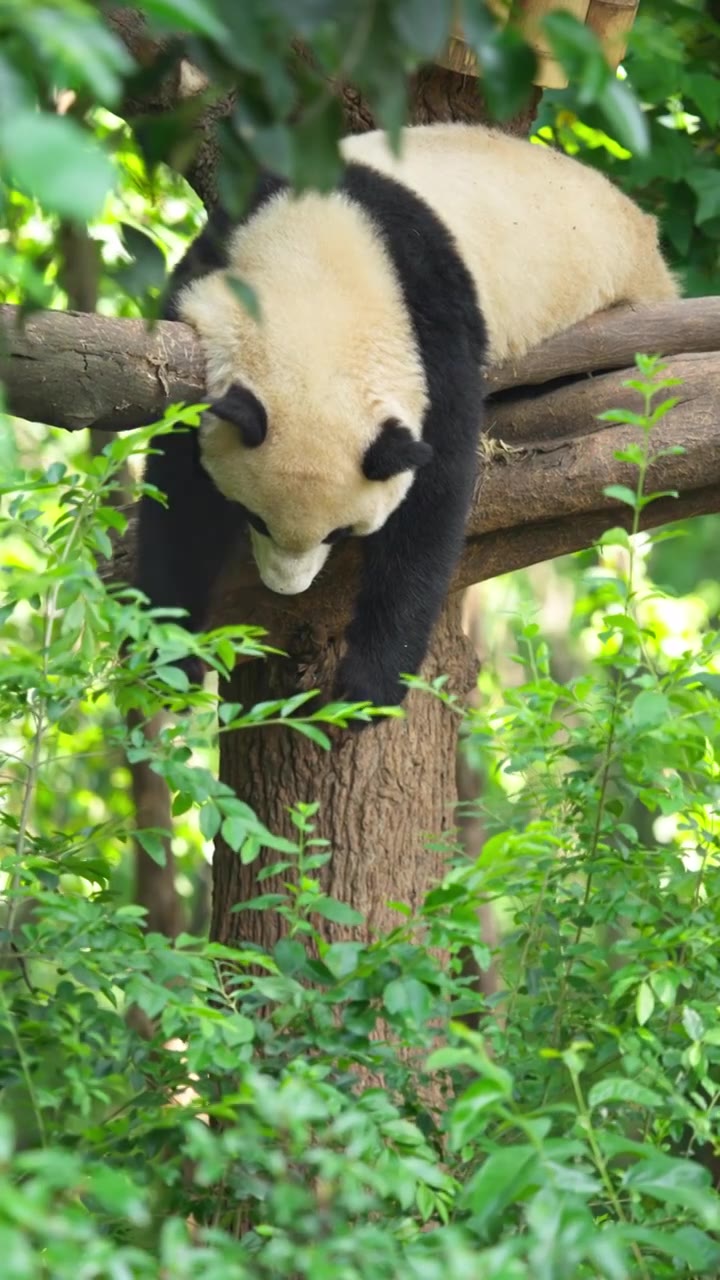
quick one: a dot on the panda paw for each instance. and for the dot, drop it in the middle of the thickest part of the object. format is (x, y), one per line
(361, 680)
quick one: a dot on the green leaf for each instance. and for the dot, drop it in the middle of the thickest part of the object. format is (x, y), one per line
(173, 677)
(262, 902)
(148, 267)
(209, 821)
(342, 958)
(317, 161)
(250, 850)
(505, 1177)
(621, 493)
(665, 985)
(693, 1023)
(272, 147)
(291, 705)
(507, 61)
(290, 956)
(704, 89)
(154, 844)
(338, 912)
(238, 1029)
(423, 27)
(196, 16)
(615, 537)
(312, 732)
(621, 1089)
(627, 417)
(89, 52)
(650, 708)
(626, 121)
(706, 185)
(7, 1139)
(408, 997)
(55, 160)
(235, 831)
(644, 1003)
(688, 1243)
(119, 1196)
(676, 1182)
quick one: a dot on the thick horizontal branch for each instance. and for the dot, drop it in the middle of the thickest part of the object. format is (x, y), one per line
(546, 461)
(74, 370)
(611, 339)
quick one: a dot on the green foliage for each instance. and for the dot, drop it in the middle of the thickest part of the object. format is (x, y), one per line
(286, 116)
(673, 65)
(357, 1109)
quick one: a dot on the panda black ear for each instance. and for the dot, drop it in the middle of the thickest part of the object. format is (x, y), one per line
(243, 409)
(394, 450)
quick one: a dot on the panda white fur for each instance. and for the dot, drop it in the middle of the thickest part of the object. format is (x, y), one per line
(353, 407)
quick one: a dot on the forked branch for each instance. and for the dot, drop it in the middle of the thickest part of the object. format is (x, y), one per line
(547, 458)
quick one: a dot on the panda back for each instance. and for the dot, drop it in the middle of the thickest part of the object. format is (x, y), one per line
(547, 240)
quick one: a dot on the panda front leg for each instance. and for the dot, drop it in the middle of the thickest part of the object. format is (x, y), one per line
(407, 570)
(182, 545)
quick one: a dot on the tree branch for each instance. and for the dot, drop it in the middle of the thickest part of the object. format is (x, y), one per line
(546, 456)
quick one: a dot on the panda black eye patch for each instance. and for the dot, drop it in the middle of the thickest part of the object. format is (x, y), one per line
(337, 535)
(243, 409)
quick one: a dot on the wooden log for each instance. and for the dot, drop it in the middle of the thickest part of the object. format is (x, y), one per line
(546, 456)
(74, 370)
(610, 340)
(539, 495)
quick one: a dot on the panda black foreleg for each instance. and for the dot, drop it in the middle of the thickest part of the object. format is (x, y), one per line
(408, 567)
(182, 546)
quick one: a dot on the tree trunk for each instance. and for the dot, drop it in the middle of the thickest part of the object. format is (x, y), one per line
(381, 793)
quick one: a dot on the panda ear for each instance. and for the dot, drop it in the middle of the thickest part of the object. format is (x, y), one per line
(243, 409)
(394, 450)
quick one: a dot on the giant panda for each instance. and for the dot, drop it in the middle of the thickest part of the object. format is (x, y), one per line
(351, 407)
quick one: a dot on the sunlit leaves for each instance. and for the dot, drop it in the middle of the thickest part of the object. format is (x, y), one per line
(580, 53)
(53, 159)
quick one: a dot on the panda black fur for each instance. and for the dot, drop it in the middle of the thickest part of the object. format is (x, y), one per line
(416, 303)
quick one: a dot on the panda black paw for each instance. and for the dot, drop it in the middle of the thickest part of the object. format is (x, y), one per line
(362, 680)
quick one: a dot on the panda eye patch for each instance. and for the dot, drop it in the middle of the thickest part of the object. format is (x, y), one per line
(258, 524)
(337, 535)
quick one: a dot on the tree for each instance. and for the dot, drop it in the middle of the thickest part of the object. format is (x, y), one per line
(381, 793)
(560, 1141)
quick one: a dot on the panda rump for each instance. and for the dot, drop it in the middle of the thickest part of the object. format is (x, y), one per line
(352, 405)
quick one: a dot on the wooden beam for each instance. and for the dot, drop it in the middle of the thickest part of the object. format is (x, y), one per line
(74, 370)
(546, 457)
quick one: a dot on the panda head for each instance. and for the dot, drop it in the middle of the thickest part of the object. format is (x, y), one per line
(301, 495)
